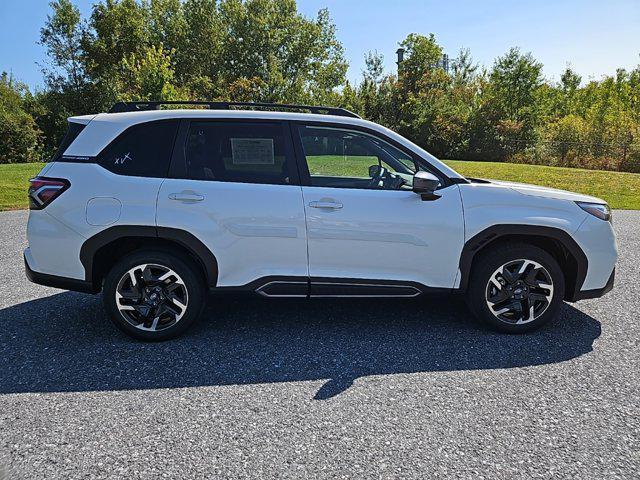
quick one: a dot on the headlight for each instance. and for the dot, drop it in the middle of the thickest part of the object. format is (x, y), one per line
(600, 210)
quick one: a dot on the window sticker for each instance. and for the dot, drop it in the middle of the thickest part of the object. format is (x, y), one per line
(252, 151)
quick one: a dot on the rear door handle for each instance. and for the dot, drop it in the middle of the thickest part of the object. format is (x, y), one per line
(187, 197)
(326, 205)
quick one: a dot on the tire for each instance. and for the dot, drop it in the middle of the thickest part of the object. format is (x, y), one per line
(515, 288)
(153, 295)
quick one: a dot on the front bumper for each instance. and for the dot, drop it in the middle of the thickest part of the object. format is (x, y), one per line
(57, 282)
(595, 293)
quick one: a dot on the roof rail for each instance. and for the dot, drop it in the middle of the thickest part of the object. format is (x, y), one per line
(143, 106)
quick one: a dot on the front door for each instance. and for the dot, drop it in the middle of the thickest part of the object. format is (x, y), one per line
(365, 225)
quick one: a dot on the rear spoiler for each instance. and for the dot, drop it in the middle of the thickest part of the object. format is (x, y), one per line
(81, 119)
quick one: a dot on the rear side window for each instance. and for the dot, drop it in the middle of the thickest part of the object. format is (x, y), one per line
(143, 150)
(73, 130)
(238, 152)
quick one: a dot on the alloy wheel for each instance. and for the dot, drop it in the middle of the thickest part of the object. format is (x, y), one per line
(151, 297)
(519, 291)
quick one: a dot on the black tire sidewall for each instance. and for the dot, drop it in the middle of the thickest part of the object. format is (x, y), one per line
(492, 260)
(182, 266)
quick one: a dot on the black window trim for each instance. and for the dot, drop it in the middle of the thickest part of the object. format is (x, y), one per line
(178, 164)
(305, 176)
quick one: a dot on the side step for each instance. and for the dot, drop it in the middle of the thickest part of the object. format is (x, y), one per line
(338, 288)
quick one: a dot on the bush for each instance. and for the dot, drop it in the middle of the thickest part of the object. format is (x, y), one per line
(631, 158)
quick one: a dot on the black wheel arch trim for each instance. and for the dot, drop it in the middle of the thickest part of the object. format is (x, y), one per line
(495, 232)
(187, 240)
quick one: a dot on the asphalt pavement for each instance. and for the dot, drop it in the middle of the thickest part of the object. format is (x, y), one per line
(318, 389)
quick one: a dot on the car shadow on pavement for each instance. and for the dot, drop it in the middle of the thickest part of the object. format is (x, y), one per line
(64, 343)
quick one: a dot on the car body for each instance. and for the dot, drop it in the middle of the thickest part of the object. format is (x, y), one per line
(296, 204)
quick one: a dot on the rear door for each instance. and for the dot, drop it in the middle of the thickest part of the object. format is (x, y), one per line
(238, 192)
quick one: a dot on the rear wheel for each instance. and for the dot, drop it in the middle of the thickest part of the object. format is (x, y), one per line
(516, 288)
(153, 295)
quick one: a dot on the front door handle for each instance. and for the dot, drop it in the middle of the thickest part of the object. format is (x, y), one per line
(328, 205)
(187, 197)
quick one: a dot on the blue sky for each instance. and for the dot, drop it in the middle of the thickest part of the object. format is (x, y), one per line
(595, 37)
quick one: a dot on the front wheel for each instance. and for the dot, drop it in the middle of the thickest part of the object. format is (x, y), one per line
(516, 288)
(153, 295)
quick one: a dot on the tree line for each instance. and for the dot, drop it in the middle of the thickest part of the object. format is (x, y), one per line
(266, 51)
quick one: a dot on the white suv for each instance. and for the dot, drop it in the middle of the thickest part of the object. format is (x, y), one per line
(155, 207)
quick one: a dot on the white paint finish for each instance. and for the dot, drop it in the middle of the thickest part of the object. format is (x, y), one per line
(385, 235)
(486, 205)
(137, 196)
(103, 211)
(546, 192)
(53, 247)
(253, 230)
(597, 240)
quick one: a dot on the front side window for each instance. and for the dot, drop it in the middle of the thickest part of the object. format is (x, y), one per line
(352, 159)
(238, 152)
(143, 150)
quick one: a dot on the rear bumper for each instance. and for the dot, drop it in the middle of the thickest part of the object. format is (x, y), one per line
(596, 293)
(58, 282)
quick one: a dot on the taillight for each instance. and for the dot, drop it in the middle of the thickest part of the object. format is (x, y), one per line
(43, 191)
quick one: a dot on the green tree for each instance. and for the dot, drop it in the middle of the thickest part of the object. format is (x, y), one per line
(512, 85)
(117, 29)
(510, 111)
(69, 89)
(62, 37)
(463, 69)
(148, 75)
(198, 57)
(371, 101)
(19, 134)
(421, 56)
(285, 55)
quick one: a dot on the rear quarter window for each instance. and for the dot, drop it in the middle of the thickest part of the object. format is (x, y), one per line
(73, 130)
(143, 150)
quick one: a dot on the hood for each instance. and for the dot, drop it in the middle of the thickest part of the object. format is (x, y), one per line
(545, 192)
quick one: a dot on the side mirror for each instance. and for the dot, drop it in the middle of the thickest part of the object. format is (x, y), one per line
(425, 184)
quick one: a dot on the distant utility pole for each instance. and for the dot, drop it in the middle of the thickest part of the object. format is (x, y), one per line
(400, 54)
(445, 62)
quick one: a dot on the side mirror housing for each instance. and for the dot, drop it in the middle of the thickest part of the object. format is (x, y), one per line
(425, 185)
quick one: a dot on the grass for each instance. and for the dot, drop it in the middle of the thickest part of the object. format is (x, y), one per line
(14, 181)
(621, 190)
